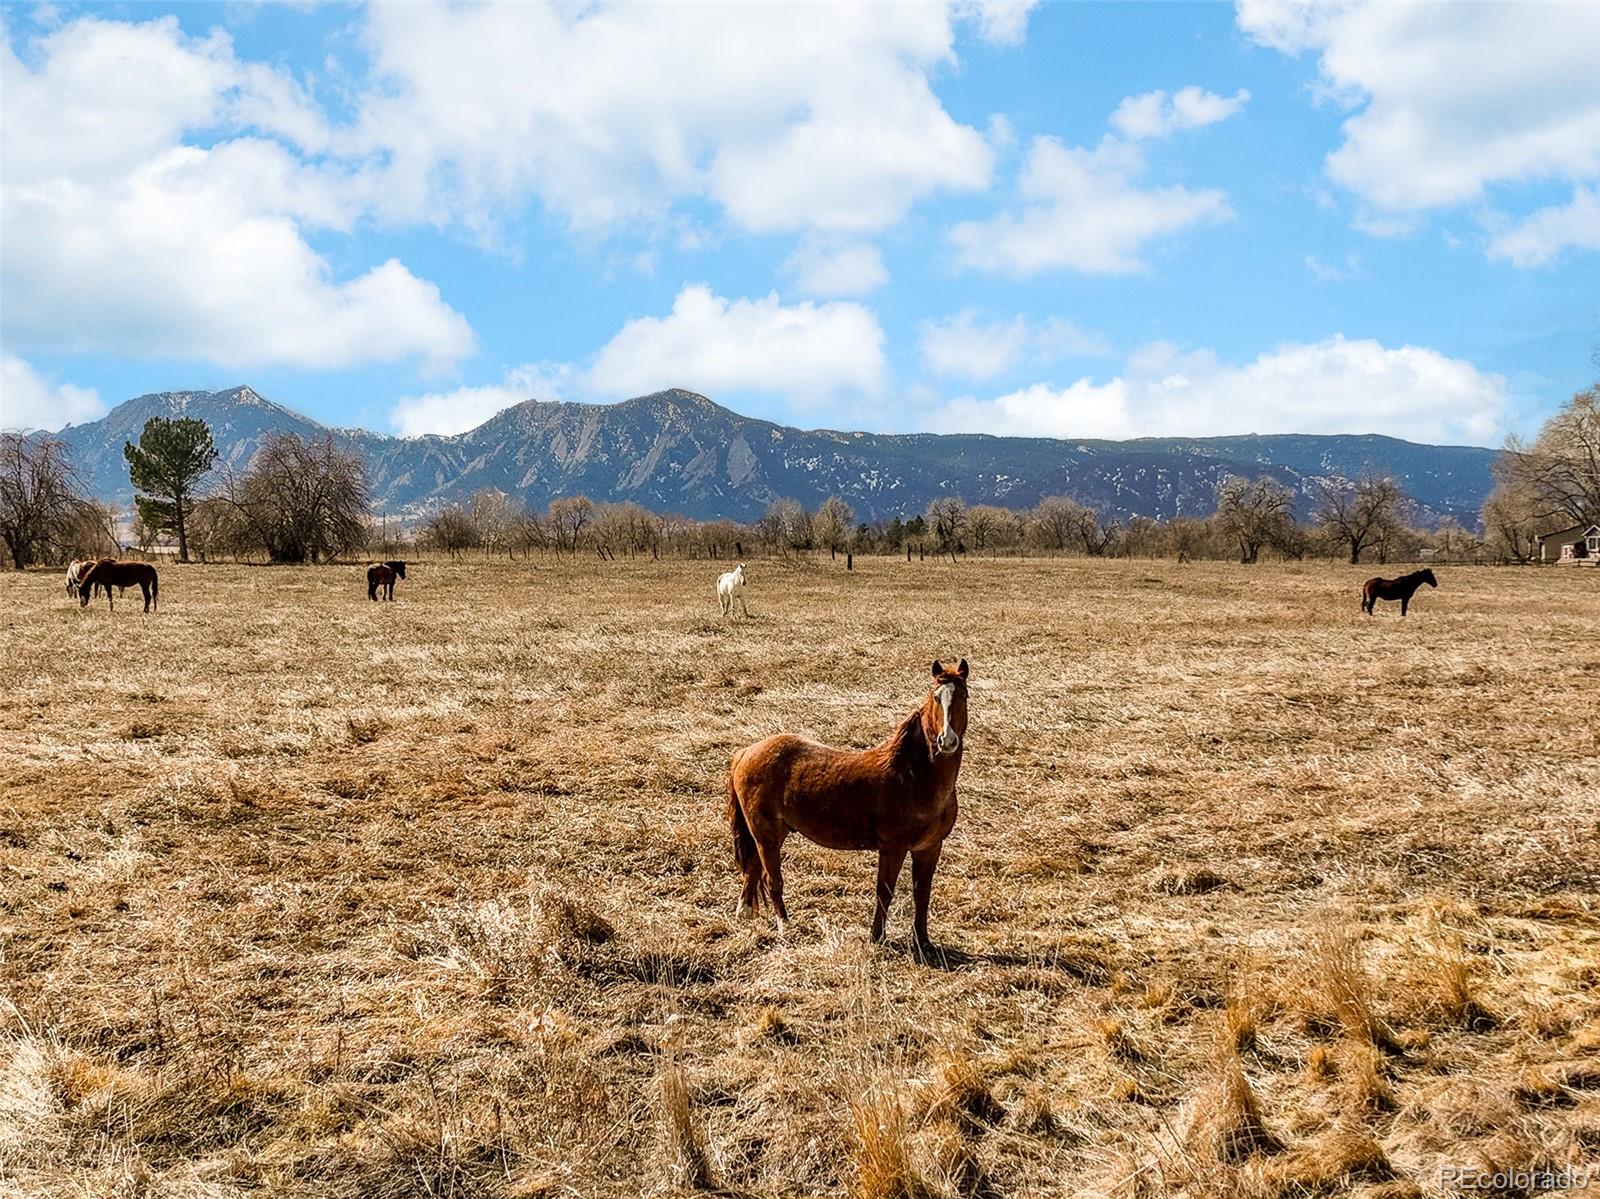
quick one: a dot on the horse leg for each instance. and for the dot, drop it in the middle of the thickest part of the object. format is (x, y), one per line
(1405, 602)
(923, 864)
(772, 865)
(750, 896)
(889, 863)
(742, 608)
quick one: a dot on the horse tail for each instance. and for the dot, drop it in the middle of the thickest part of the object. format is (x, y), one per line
(155, 590)
(744, 843)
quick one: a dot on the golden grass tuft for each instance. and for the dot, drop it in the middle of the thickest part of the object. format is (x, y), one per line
(1225, 1122)
(1118, 1042)
(1364, 1074)
(1336, 1159)
(881, 1163)
(1340, 981)
(1456, 995)
(960, 1093)
(688, 1165)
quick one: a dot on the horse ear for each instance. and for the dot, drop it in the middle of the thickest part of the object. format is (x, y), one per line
(962, 669)
(938, 668)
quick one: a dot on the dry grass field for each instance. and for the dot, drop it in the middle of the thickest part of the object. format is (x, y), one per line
(1250, 894)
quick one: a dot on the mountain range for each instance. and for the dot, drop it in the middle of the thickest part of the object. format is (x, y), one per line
(676, 451)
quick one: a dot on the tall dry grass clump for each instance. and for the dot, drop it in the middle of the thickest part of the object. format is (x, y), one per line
(1225, 1122)
(881, 1164)
(688, 1164)
(1340, 982)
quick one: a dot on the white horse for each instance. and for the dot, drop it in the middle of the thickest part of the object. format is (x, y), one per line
(730, 590)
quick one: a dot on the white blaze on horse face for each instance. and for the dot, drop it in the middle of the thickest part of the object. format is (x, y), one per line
(947, 742)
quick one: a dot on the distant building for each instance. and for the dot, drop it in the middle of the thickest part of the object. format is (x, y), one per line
(1579, 545)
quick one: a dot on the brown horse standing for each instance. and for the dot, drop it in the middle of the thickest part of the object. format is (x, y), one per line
(898, 798)
(108, 574)
(1401, 589)
(383, 574)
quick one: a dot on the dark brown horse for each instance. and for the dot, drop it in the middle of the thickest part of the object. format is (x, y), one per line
(897, 798)
(108, 574)
(1401, 589)
(382, 575)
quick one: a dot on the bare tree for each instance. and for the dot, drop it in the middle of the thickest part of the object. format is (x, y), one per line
(452, 530)
(1052, 522)
(719, 538)
(1252, 514)
(144, 530)
(989, 527)
(40, 498)
(1555, 482)
(528, 533)
(216, 527)
(1092, 535)
(628, 527)
(491, 514)
(833, 523)
(568, 517)
(785, 526)
(92, 533)
(1361, 516)
(303, 501)
(1188, 536)
(1510, 518)
(947, 520)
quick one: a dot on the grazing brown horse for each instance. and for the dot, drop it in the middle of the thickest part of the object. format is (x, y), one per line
(76, 569)
(1401, 589)
(383, 574)
(108, 573)
(897, 798)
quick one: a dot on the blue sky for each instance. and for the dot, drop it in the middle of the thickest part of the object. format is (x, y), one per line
(1065, 220)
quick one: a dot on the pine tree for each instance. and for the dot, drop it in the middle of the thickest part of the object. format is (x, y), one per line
(171, 458)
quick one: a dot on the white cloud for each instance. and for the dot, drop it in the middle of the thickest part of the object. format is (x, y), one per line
(1003, 22)
(1538, 239)
(608, 113)
(806, 352)
(31, 402)
(1450, 99)
(1154, 114)
(464, 408)
(829, 268)
(968, 346)
(1333, 272)
(120, 239)
(1331, 386)
(1083, 210)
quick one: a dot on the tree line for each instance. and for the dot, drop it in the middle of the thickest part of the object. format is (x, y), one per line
(307, 500)
(298, 501)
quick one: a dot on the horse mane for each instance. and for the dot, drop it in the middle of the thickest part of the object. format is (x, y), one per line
(908, 744)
